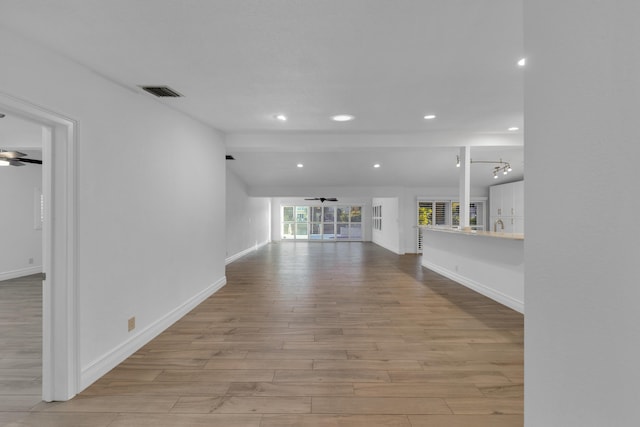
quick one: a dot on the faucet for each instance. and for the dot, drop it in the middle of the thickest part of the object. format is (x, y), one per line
(495, 225)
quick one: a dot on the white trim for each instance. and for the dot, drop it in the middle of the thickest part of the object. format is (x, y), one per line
(111, 359)
(14, 274)
(477, 286)
(60, 336)
(247, 251)
(48, 294)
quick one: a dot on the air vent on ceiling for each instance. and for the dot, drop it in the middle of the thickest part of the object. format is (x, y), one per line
(228, 157)
(161, 91)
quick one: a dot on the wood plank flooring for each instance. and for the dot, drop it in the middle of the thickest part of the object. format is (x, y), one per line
(20, 346)
(322, 335)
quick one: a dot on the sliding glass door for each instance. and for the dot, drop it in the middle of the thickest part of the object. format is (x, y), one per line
(322, 223)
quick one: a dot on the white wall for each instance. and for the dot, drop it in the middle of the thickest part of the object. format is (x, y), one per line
(248, 219)
(151, 233)
(390, 235)
(21, 242)
(491, 266)
(407, 198)
(582, 102)
(407, 204)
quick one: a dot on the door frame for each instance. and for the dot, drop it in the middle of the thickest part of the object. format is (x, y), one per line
(60, 340)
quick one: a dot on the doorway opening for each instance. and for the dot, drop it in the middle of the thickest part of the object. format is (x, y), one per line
(21, 214)
(58, 250)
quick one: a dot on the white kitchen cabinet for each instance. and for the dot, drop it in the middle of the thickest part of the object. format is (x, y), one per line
(507, 204)
(512, 224)
(495, 201)
(518, 199)
(518, 224)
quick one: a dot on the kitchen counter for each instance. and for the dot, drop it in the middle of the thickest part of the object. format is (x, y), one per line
(496, 234)
(491, 263)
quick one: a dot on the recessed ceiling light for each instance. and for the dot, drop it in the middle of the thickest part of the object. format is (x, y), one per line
(513, 128)
(300, 165)
(281, 117)
(522, 62)
(430, 116)
(342, 117)
(377, 165)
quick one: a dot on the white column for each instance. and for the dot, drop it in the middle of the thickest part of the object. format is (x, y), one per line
(465, 184)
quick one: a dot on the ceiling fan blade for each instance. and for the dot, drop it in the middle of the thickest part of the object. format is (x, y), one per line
(34, 161)
(15, 162)
(324, 199)
(4, 154)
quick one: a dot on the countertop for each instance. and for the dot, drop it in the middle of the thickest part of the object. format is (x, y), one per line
(495, 234)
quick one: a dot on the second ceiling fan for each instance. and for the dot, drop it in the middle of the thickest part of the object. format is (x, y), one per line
(324, 199)
(15, 158)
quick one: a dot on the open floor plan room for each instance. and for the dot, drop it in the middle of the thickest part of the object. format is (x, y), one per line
(308, 334)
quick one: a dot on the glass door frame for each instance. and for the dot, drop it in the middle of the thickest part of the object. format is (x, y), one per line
(321, 222)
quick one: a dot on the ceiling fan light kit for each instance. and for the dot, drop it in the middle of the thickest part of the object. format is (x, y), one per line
(15, 158)
(324, 199)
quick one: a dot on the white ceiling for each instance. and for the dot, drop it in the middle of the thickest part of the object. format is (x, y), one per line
(433, 167)
(238, 63)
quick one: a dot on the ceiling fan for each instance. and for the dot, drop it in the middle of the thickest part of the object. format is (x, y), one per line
(324, 199)
(15, 158)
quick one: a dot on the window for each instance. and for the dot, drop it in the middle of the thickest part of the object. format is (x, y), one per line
(377, 217)
(441, 213)
(321, 223)
(302, 213)
(433, 213)
(473, 213)
(446, 213)
(287, 213)
(425, 213)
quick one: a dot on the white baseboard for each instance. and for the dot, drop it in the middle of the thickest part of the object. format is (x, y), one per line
(394, 250)
(110, 360)
(478, 287)
(247, 251)
(14, 274)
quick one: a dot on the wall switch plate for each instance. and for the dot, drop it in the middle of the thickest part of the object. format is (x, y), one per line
(132, 323)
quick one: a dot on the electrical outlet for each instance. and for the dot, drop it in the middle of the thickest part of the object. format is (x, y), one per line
(132, 323)
(456, 268)
(30, 260)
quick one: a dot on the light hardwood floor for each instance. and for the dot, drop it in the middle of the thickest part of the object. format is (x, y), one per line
(322, 335)
(20, 346)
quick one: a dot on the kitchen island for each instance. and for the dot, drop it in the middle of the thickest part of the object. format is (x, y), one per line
(491, 263)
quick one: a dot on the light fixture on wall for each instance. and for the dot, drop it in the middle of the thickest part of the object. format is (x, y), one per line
(504, 167)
